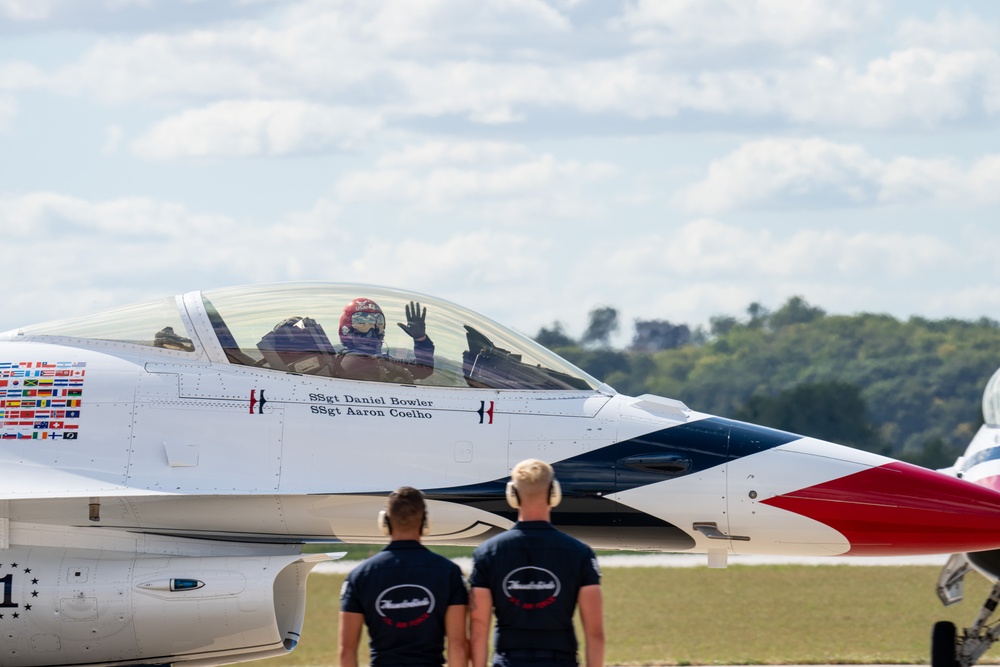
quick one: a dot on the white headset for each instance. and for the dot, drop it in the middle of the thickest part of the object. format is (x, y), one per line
(555, 494)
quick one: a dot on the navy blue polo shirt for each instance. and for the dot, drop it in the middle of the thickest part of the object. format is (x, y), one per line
(403, 592)
(535, 574)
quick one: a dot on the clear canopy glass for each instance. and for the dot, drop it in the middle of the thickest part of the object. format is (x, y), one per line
(295, 327)
(991, 401)
(154, 324)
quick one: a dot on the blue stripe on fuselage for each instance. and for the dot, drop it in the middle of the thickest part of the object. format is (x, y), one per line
(988, 454)
(587, 479)
(704, 444)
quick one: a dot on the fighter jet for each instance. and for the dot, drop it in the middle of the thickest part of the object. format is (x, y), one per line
(979, 464)
(164, 464)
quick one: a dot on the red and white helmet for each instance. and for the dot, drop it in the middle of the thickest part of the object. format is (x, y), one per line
(362, 326)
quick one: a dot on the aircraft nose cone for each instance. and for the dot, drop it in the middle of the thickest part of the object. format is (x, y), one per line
(901, 509)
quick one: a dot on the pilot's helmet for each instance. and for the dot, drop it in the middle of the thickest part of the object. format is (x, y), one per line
(362, 326)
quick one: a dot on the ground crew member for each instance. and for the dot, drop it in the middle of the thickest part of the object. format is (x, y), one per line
(409, 597)
(533, 577)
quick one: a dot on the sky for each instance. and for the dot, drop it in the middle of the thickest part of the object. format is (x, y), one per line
(529, 159)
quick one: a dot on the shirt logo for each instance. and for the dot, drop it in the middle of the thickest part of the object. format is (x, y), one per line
(405, 605)
(531, 587)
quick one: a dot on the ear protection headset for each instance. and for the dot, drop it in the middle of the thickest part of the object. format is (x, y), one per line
(555, 494)
(386, 528)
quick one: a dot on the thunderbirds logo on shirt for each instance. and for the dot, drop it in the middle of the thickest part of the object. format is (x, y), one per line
(531, 587)
(405, 606)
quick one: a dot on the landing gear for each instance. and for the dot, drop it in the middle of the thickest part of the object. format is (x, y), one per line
(944, 648)
(948, 648)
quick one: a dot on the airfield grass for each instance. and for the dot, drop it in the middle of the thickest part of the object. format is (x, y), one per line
(748, 615)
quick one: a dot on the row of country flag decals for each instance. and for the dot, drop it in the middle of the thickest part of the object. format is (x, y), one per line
(40, 400)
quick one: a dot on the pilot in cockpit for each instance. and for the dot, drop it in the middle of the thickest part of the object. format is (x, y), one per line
(362, 330)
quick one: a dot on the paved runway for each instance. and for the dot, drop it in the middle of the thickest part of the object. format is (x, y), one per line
(701, 560)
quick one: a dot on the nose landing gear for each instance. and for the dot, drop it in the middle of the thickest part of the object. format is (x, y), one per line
(948, 647)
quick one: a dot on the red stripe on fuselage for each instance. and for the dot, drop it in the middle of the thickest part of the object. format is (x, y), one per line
(900, 509)
(992, 482)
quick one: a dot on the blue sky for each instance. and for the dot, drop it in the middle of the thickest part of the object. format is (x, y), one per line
(531, 160)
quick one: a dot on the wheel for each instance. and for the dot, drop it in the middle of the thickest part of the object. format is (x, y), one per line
(943, 646)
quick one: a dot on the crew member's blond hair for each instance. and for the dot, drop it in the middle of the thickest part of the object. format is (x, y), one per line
(532, 478)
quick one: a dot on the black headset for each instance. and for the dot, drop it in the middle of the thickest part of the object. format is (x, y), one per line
(555, 494)
(386, 528)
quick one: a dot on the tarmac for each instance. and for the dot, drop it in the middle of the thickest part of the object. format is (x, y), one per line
(700, 560)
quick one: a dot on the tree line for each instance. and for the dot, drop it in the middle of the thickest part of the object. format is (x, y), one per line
(908, 389)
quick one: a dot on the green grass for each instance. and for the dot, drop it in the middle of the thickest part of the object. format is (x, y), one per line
(781, 614)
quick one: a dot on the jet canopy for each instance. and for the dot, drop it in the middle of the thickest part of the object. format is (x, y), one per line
(991, 401)
(295, 327)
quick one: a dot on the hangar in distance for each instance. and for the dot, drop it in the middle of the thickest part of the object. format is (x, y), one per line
(166, 462)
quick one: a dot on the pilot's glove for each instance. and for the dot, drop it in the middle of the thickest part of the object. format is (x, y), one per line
(415, 322)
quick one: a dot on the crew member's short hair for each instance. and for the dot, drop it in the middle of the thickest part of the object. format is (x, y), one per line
(406, 508)
(532, 478)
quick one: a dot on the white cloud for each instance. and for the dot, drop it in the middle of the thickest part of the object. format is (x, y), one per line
(493, 271)
(151, 236)
(17, 76)
(983, 182)
(256, 128)
(317, 49)
(898, 255)
(950, 31)
(916, 86)
(25, 10)
(196, 65)
(480, 257)
(8, 112)
(122, 14)
(946, 181)
(438, 175)
(310, 226)
(26, 217)
(711, 250)
(429, 25)
(909, 180)
(737, 23)
(134, 249)
(568, 204)
(496, 63)
(98, 254)
(782, 172)
(115, 5)
(39, 10)
(113, 136)
(466, 153)
(980, 299)
(816, 173)
(706, 267)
